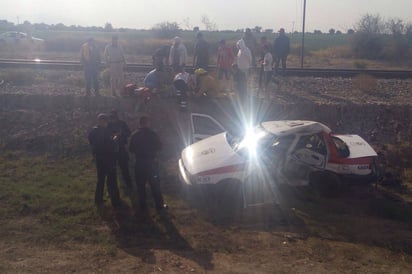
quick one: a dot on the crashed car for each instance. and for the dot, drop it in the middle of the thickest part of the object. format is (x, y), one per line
(295, 152)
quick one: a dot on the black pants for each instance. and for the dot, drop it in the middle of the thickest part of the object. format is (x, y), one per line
(148, 172)
(279, 59)
(181, 86)
(261, 76)
(225, 72)
(91, 75)
(106, 171)
(123, 162)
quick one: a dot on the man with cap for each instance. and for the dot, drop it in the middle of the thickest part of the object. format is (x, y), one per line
(103, 150)
(281, 48)
(177, 54)
(90, 59)
(116, 62)
(145, 145)
(121, 132)
(201, 52)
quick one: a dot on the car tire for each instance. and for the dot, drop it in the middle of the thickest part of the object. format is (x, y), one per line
(326, 184)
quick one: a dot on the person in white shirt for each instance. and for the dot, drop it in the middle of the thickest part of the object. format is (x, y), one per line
(116, 62)
(178, 54)
(267, 66)
(244, 57)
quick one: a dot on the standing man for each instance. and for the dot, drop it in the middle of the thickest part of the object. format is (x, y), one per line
(281, 49)
(267, 66)
(225, 59)
(201, 52)
(263, 43)
(145, 144)
(116, 62)
(103, 150)
(178, 54)
(160, 57)
(90, 59)
(121, 132)
(244, 57)
(250, 42)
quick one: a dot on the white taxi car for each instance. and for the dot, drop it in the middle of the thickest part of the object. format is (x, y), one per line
(293, 152)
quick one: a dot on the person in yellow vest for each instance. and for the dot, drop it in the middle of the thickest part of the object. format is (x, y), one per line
(116, 62)
(206, 84)
(90, 59)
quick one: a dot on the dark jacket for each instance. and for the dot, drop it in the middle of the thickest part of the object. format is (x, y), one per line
(202, 54)
(102, 145)
(281, 46)
(145, 144)
(120, 129)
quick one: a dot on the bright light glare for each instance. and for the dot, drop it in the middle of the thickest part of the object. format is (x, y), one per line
(251, 140)
(37, 60)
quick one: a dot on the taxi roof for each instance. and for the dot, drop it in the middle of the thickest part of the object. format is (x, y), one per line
(287, 127)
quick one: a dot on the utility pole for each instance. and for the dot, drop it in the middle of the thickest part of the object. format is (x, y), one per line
(302, 53)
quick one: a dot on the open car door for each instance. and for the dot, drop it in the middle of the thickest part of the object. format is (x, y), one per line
(203, 126)
(309, 154)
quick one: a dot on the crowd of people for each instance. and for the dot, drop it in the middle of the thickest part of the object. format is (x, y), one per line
(111, 139)
(111, 142)
(231, 63)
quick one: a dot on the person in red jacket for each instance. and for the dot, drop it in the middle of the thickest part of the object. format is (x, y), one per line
(225, 59)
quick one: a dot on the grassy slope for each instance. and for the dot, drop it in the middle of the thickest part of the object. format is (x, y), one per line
(46, 205)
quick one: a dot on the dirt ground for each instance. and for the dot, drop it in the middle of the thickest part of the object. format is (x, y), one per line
(366, 230)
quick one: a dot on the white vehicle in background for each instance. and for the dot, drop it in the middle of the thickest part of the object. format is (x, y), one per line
(297, 153)
(19, 38)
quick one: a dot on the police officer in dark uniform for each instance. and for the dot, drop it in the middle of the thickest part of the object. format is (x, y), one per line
(145, 144)
(102, 144)
(121, 132)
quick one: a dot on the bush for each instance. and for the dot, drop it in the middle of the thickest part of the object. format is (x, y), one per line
(367, 45)
(365, 82)
(166, 30)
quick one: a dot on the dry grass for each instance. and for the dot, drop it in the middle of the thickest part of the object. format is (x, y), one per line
(365, 83)
(334, 52)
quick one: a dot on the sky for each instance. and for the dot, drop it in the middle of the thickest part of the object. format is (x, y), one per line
(226, 14)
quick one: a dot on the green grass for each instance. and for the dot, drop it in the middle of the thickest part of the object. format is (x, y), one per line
(51, 199)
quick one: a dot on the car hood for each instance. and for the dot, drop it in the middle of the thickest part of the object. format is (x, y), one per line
(358, 147)
(210, 154)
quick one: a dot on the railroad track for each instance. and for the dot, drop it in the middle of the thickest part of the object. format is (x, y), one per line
(306, 72)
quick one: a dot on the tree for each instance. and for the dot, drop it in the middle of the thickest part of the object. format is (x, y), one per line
(108, 27)
(368, 41)
(332, 31)
(196, 29)
(338, 32)
(257, 29)
(166, 29)
(372, 24)
(209, 25)
(350, 31)
(316, 31)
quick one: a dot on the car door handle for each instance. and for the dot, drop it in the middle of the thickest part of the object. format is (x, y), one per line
(315, 157)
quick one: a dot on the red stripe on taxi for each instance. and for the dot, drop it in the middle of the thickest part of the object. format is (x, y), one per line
(354, 161)
(220, 170)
